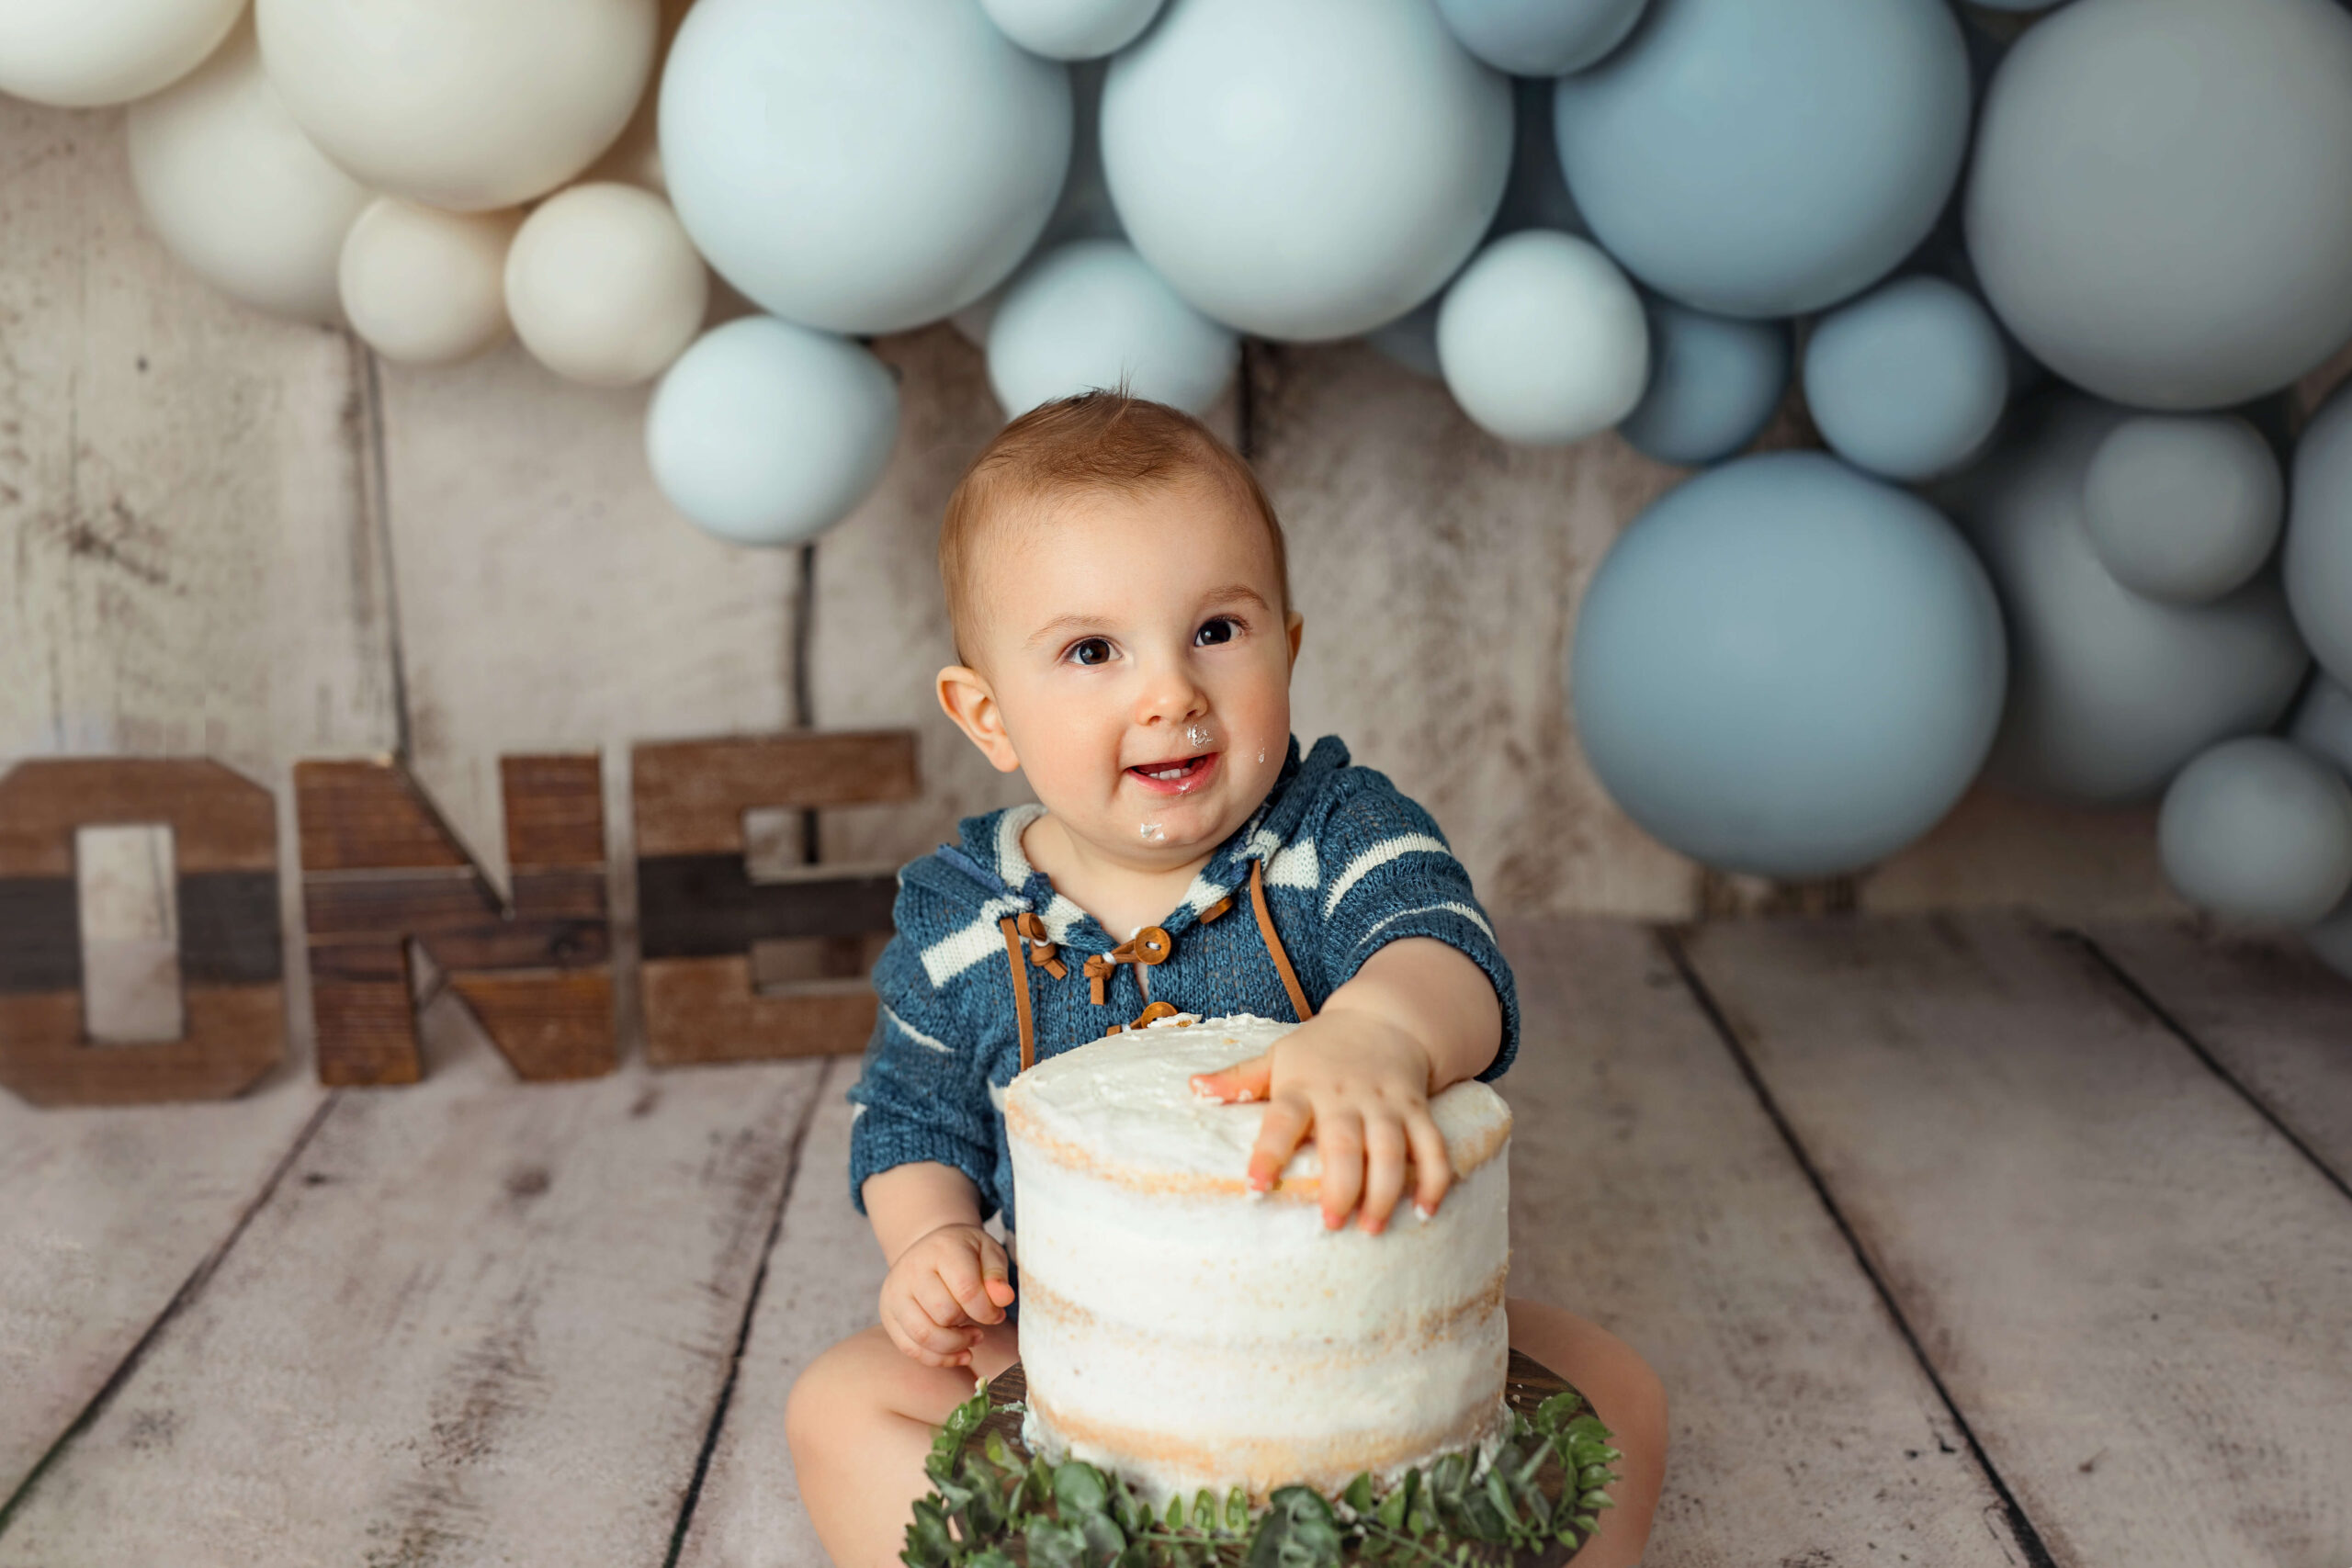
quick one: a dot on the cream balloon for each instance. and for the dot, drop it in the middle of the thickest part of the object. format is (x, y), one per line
(424, 286)
(234, 190)
(604, 286)
(82, 53)
(466, 105)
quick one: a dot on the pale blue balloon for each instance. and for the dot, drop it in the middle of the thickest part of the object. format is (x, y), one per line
(865, 167)
(1758, 158)
(1908, 381)
(2258, 828)
(1715, 383)
(766, 433)
(2318, 557)
(1309, 170)
(1093, 313)
(1540, 37)
(1788, 668)
(1071, 29)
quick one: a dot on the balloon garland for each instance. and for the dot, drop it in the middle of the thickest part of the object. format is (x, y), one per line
(1646, 214)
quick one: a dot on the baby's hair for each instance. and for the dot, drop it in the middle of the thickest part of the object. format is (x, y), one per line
(1098, 440)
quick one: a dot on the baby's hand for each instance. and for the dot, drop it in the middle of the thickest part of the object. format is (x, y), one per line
(941, 1289)
(1360, 1086)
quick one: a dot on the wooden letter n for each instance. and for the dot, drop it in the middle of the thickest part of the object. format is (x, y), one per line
(700, 913)
(224, 836)
(379, 866)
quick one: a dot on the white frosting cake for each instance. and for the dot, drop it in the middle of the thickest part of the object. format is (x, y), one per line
(1185, 1332)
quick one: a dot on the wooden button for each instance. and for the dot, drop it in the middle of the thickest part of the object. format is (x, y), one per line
(1155, 1012)
(1152, 946)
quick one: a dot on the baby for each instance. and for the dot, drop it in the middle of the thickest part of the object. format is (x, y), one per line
(1121, 603)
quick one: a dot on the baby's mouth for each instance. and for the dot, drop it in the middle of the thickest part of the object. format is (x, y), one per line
(1177, 775)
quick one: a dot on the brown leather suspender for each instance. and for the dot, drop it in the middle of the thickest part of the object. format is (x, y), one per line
(1020, 993)
(1298, 1001)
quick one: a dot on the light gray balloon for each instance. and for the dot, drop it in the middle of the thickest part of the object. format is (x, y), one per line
(2110, 692)
(2318, 557)
(1786, 668)
(1540, 37)
(2160, 205)
(1714, 382)
(2258, 828)
(2183, 507)
(2322, 722)
(1768, 160)
(1909, 380)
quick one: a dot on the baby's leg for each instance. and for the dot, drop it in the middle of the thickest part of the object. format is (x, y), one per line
(860, 1421)
(1627, 1396)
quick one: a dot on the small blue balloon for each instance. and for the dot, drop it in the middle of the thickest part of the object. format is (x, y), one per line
(1787, 669)
(1714, 382)
(1908, 381)
(1768, 160)
(766, 433)
(1093, 313)
(1540, 37)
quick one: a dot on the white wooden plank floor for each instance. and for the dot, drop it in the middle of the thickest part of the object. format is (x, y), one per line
(1957, 1242)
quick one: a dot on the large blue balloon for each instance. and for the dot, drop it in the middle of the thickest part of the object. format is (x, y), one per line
(865, 167)
(1309, 170)
(1714, 382)
(1769, 159)
(765, 432)
(1787, 669)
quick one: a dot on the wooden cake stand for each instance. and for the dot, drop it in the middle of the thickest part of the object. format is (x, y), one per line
(1526, 1384)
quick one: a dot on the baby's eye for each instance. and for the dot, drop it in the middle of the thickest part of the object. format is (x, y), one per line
(1212, 632)
(1089, 651)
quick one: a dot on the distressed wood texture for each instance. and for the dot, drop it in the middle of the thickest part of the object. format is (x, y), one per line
(189, 563)
(2277, 1020)
(2138, 1294)
(477, 1323)
(1438, 571)
(824, 1278)
(1650, 1192)
(549, 598)
(109, 1213)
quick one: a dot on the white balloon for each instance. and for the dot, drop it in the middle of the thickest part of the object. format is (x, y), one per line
(468, 105)
(862, 167)
(1542, 339)
(234, 190)
(1071, 29)
(1309, 170)
(604, 286)
(82, 53)
(1094, 313)
(765, 432)
(424, 286)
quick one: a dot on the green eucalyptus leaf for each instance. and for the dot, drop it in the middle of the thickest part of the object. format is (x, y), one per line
(990, 1557)
(1236, 1511)
(1447, 1480)
(1358, 1496)
(1390, 1515)
(1134, 1556)
(1499, 1497)
(1557, 1411)
(1079, 1488)
(1586, 1523)
(1055, 1543)
(1204, 1511)
(1131, 1516)
(1176, 1512)
(1298, 1530)
(1104, 1539)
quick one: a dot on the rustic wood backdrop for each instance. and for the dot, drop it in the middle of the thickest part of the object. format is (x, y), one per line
(228, 536)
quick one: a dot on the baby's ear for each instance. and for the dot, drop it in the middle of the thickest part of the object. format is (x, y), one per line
(1296, 627)
(970, 701)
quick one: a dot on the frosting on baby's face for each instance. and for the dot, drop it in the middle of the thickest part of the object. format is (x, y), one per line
(1136, 655)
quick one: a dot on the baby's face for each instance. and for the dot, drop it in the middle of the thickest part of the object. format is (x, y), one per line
(1137, 653)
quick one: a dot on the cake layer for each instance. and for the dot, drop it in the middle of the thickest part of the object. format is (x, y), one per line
(1185, 1332)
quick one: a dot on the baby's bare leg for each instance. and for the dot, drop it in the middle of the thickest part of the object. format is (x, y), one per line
(860, 1421)
(1627, 1396)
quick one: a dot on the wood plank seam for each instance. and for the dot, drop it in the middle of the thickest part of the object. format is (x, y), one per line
(190, 1289)
(2038, 1553)
(717, 1424)
(2214, 1064)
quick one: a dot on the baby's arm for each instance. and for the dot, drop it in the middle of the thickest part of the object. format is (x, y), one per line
(948, 1275)
(1419, 1016)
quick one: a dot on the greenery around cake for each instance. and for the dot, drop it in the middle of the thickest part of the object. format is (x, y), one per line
(992, 1507)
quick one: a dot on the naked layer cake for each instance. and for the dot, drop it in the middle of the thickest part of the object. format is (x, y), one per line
(1185, 1332)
